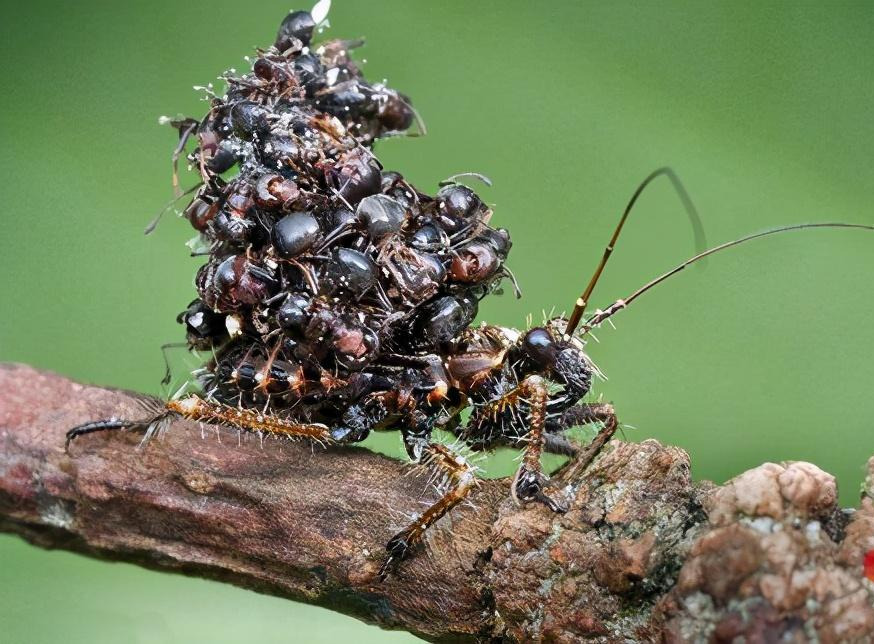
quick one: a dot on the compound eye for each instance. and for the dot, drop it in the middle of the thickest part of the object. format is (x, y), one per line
(540, 347)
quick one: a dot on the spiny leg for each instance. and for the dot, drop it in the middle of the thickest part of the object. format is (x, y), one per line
(554, 441)
(461, 477)
(250, 420)
(530, 479)
(206, 411)
(585, 414)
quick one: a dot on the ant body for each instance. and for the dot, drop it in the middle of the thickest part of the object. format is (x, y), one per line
(338, 299)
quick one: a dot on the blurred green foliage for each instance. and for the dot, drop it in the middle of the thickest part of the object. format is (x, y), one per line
(763, 109)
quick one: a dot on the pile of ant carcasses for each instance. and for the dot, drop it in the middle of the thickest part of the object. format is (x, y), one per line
(325, 271)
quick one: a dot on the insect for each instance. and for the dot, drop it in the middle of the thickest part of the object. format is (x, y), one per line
(337, 299)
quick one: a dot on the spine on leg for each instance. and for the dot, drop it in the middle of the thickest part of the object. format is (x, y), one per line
(195, 408)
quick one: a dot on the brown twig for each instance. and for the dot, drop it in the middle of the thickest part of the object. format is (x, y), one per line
(642, 554)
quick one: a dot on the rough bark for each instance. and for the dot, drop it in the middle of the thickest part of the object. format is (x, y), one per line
(643, 554)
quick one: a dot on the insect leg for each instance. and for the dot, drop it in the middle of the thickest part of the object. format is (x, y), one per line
(584, 414)
(195, 408)
(462, 477)
(186, 128)
(250, 420)
(530, 479)
(153, 407)
(558, 444)
(102, 426)
(164, 347)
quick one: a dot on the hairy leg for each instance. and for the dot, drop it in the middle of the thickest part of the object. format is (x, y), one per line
(155, 413)
(558, 444)
(105, 425)
(461, 477)
(196, 408)
(530, 479)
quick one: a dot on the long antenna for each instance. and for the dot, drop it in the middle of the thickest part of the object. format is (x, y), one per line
(700, 240)
(618, 305)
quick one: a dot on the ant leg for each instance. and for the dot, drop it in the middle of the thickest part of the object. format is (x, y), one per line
(584, 414)
(530, 479)
(462, 477)
(170, 345)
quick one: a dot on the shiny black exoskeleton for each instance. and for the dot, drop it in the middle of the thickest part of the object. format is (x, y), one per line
(318, 257)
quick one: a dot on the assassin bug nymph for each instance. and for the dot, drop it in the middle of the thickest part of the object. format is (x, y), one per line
(337, 299)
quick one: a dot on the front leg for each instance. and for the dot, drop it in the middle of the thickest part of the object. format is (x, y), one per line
(530, 480)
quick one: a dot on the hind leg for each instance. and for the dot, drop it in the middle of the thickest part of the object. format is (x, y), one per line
(104, 425)
(196, 408)
(155, 414)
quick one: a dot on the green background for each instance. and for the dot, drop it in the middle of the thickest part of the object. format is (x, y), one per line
(765, 112)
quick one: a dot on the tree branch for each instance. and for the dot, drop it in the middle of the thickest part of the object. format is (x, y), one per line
(642, 554)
